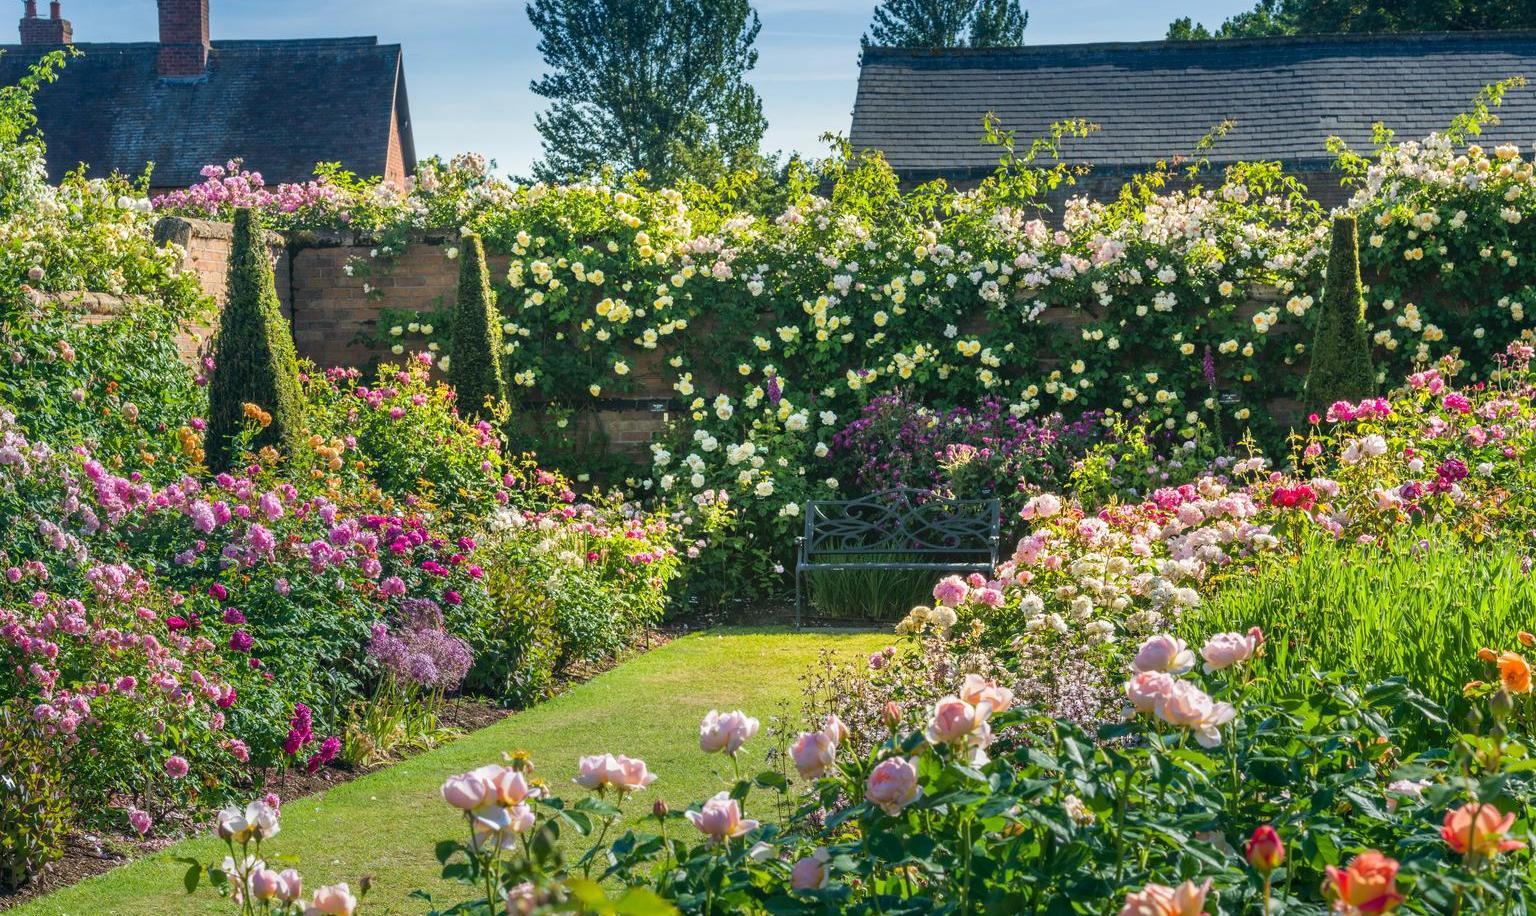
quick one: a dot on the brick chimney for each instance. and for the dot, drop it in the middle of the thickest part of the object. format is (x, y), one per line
(55, 30)
(183, 39)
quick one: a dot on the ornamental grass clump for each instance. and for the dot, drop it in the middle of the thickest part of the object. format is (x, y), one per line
(254, 358)
(1341, 353)
(474, 364)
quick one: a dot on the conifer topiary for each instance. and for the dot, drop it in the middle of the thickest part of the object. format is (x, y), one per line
(254, 358)
(474, 365)
(1341, 353)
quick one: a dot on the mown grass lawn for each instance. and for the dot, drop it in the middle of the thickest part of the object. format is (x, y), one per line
(387, 823)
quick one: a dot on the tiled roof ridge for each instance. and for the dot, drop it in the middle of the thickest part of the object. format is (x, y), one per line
(880, 53)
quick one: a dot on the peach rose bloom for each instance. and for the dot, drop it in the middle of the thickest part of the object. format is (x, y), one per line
(508, 786)
(265, 883)
(1515, 672)
(978, 690)
(1163, 653)
(835, 730)
(810, 872)
(292, 886)
(332, 900)
(1479, 831)
(720, 819)
(1187, 706)
(1368, 883)
(1147, 690)
(814, 754)
(1188, 899)
(892, 785)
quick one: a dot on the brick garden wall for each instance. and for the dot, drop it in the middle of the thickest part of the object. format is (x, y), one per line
(336, 317)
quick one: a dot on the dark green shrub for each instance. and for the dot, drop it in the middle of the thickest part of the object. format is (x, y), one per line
(474, 367)
(34, 800)
(254, 358)
(1341, 353)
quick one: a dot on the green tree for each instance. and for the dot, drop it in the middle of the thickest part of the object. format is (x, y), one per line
(1341, 353)
(657, 86)
(254, 357)
(947, 24)
(474, 364)
(1307, 17)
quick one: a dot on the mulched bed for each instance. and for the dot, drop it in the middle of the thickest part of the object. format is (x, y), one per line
(89, 854)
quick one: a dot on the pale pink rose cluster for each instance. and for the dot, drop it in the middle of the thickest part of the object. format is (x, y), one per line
(962, 720)
(726, 732)
(495, 800)
(1188, 899)
(815, 753)
(1155, 688)
(254, 880)
(624, 775)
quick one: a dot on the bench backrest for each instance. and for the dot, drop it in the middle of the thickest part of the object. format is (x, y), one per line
(903, 521)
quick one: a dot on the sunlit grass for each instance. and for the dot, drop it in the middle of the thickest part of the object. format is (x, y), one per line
(386, 823)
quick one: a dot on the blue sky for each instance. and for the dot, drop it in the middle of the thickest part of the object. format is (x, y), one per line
(469, 62)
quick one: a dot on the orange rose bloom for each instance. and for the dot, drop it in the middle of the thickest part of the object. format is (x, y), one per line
(1368, 884)
(1479, 831)
(1486, 654)
(1515, 672)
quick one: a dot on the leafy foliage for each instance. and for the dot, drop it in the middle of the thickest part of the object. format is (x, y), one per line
(475, 370)
(947, 24)
(1341, 356)
(1306, 17)
(254, 358)
(646, 86)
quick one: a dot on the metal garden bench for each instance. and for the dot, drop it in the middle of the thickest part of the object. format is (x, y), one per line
(938, 534)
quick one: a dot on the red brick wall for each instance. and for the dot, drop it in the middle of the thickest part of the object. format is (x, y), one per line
(394, 162)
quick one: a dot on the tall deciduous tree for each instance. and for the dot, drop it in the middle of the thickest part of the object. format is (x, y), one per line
(1305, 17)
(947, 24)
(659, 86)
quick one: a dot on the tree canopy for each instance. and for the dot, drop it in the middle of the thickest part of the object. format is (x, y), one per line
(947, 24)
(657, 86)
(1305, 17)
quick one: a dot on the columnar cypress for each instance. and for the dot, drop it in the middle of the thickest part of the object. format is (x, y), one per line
(1341, 353)
(474, 367)
(254, 357)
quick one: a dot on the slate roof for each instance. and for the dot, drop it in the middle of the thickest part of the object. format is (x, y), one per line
(281, 105)
(1155, 100)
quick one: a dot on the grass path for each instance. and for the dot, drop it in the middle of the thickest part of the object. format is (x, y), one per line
(386, 823)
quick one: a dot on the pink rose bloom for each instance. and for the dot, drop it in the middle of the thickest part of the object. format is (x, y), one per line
(1043, 506)
(814, 753)
(592, 772)
(628, 774)
(726, 732)
(1224, 650)
(954, 720)
(332, 900)
(977, 690)
(140, 821)
(1187, 706)
(1163, 653)
(265, 883)
(1147, 690)
(810, 872)
(951, 591)
(466, 791)
(292, 887)
(720, 819)
(892, 785)
(177, 767)
(835, 730)
(508, 786)
(1188, 899)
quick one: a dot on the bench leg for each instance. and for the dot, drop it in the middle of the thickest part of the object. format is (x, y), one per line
(799, 595)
